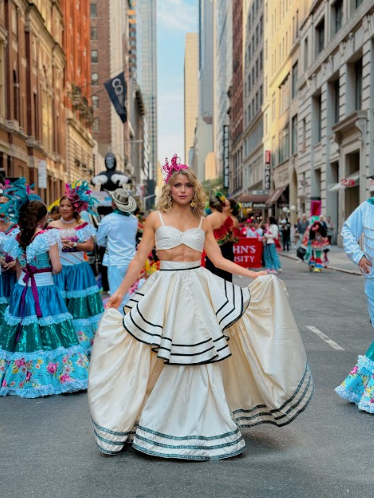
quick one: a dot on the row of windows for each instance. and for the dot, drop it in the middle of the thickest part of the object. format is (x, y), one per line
(254, 74)
(253, 13)
(254, 106)
(255, 41)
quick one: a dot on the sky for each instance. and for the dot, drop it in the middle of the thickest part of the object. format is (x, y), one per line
(175, 18)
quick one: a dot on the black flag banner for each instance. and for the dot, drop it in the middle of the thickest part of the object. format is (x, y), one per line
(117, 90)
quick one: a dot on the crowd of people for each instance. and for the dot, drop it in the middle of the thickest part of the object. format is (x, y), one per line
(172, 302)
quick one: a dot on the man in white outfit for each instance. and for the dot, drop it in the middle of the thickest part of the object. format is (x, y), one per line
(117, 232)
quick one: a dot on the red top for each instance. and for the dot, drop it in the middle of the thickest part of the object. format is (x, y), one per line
(224, 232)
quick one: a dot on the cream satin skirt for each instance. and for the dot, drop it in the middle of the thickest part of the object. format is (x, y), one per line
(195, 359)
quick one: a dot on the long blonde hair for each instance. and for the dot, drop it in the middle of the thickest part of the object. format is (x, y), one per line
(166, 201)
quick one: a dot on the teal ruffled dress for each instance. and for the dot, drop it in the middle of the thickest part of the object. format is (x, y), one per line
(78, 286)
(39, 351)
(7, 278)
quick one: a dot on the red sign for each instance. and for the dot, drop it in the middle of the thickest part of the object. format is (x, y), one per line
(267, 157)
(347, 182)
(248, 252)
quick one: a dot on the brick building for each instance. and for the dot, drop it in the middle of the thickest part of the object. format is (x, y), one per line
(80, 159)
(32, 114)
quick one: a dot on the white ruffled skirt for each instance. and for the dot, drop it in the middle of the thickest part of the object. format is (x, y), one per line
(156, 379)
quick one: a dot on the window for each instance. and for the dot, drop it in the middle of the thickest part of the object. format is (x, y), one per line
(93, 10)
(303, 130)
(320, 36)
(95, 78)
(336, 110)
(306, 57)
(273, 107)
(294, 135)
(95, 126)
(273, 153)
(93, 33)
(284, 145)
(318, 118)
(261, 60)
(337, 15)
(2, 79)
(95, 102)
(249, 83)
(94, 56)
(295, 77)
(261, 95)
(358, 3)
(358, 85)
(284, 95)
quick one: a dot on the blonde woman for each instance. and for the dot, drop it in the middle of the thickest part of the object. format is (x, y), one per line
(155, 379)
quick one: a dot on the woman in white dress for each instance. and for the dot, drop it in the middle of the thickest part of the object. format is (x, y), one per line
(196, 357)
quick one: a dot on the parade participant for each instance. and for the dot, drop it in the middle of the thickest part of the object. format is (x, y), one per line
(155, 379)
(270, 240)
(117, 232)
(315, 242)
(8, 265)
(286, 234)
(39, 352)
(232, 209)
(223, 226)
(76, 281)
(358, 387)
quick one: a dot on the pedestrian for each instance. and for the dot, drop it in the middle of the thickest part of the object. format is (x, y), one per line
(330, 228)
(258, 229)
(155, 377)
(223, 226)
(358, 387)
(302, 226)
(286, 234)
(77, 281)
(54, 214)
(39, 351)
(117, 232)
(271, 235)
(314, 243)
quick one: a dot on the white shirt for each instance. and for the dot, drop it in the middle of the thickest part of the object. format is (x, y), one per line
(117, 233)
(272, 234)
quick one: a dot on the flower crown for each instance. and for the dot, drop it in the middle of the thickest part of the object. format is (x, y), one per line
(78, 194)
(175, 165)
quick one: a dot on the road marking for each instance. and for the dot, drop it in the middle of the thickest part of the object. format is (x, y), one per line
(325, 338)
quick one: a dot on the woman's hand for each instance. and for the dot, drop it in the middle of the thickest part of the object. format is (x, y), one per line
(365, 265)
(256, 274)
(10, 266)
(115, 301)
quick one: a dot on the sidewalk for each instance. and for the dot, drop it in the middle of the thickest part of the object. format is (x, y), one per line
(338, 260)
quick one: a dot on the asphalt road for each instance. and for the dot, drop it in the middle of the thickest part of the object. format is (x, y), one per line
(47, 448)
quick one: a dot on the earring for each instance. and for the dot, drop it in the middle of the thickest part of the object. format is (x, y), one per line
(192, 204)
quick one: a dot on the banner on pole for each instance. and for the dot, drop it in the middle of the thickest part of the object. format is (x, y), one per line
(117, 91)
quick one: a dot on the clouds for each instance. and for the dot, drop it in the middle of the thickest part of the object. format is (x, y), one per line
(177, 15)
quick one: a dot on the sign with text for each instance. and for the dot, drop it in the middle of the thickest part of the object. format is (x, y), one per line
(117, 91)
(267, 175)
(347, 182)
(42, 174)
(248, 252)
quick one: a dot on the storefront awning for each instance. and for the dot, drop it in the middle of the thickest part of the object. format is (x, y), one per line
(274, 196)
(253, 201)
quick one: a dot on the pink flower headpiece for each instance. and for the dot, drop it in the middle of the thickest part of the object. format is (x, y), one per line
(80, 197)
(175, 165)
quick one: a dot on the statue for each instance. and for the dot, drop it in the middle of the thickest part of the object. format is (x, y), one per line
(110, 179)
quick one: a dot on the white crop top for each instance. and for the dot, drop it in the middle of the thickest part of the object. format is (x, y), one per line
(168, 237)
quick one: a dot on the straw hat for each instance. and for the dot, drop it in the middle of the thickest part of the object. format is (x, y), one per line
(123, 200)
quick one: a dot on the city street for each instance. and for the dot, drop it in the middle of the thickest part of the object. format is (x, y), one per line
(48, 450)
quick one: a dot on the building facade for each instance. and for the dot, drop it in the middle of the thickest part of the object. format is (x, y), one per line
(336, 121)
(191, 90)
(147, 74)
(222, 80)
(32, 113)
(80, 153)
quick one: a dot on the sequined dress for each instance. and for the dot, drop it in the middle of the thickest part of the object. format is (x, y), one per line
(39, 351)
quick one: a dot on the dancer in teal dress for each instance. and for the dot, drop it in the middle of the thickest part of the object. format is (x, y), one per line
(76, 281)
(39, 351)
(7, 270)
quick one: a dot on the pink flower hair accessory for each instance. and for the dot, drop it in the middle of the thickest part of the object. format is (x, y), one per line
(175, 165)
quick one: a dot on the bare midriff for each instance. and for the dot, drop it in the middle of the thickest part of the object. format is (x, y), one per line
(179, 253)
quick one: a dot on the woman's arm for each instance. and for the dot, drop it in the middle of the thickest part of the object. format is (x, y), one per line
(214, 254)
(54, 256)
(86, 246)
(18, 268)
(135, 267)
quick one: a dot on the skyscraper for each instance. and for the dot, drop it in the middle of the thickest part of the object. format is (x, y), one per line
(147, 74)
(206, 57)
(191, 90)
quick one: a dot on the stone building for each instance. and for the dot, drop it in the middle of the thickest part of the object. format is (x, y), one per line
(32, 113)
